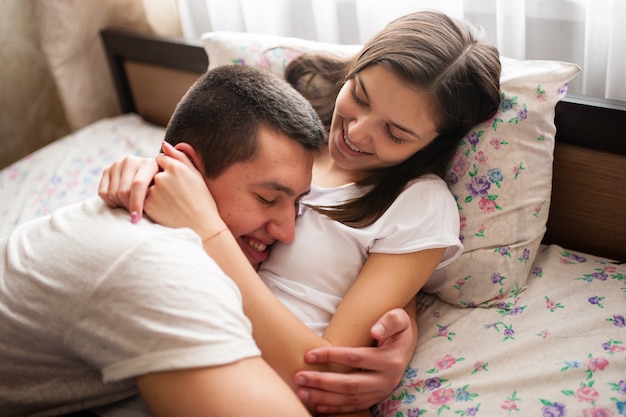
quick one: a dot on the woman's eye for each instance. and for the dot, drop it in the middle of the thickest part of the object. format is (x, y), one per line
(393, 138)
(356, 98)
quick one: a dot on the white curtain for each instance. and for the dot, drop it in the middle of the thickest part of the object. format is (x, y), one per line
(590, 33)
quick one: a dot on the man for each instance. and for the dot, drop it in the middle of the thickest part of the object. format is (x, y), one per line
(93, 307)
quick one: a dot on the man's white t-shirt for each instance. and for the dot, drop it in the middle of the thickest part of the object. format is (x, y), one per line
(312, 274)
(88, 301)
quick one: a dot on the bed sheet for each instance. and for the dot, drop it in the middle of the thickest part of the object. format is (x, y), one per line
(557, 350)
(69, 169)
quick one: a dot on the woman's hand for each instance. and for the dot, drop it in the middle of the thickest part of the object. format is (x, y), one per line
(126, 184)
(180, 197)
(382, 367)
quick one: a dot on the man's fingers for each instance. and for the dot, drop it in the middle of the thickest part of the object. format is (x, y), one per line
(391, 323)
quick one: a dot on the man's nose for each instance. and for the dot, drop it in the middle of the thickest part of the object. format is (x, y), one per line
(283, 226)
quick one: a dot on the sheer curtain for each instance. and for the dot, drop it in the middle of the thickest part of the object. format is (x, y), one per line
(587, 32)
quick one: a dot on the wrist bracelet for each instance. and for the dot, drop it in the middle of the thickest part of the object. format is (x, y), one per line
(214, 235)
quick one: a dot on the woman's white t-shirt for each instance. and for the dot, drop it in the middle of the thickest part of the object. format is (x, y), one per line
(312, 275)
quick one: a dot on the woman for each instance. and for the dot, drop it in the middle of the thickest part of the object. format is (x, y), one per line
(379, 219)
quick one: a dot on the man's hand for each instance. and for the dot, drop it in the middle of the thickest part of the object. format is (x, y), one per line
(382, 367)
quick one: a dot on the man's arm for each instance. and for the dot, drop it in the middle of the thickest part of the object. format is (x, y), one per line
(248, 387)
(382, 366)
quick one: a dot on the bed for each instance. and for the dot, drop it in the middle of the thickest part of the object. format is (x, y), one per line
(529, 321)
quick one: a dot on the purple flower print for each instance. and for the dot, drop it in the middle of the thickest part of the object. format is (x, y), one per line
(622, 387)
(596, 301)
(479, 186)
(472, 411)
(509, 333)
(537, 271)
(496, 278)
(521, 116)
(432, 384)
(452, 178)
(553, 410)
(473, 138)
(525, 257)
(618, 321)
(413, 412)
(504, 251)
(563, 89)
(600, 275)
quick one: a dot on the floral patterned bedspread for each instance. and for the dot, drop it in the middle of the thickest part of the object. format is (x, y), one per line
(69, 169)
(558, 350)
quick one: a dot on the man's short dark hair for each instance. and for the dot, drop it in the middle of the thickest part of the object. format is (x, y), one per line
(221, 113)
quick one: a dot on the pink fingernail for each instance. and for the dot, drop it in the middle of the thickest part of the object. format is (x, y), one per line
(134, 217)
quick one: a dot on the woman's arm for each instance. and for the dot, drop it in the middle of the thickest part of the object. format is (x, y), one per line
(384, 368)
(281, 336)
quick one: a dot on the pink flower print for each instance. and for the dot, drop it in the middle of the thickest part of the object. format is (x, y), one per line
(552, 305)
(540, 93)
(538, 208)
(463, 221)
(509, 405)
(609, 269)
(445, 332)
(597, 364)
(597, 412)
(445, 363)
(480, 366)
(544, 334)
(460, 164)
(517, 169)
(497, 143)
(390, 406)
(441, 397)
(487, 205)
(481, 231)
(481, 158)
(587, 394)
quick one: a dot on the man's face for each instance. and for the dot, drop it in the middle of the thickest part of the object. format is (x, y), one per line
(258, 199)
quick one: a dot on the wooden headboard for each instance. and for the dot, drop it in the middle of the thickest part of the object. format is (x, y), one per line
(588, 207)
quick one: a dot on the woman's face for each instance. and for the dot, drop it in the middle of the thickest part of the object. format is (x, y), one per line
(379, 121)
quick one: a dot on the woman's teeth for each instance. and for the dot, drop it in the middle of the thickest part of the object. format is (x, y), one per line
(350, 144)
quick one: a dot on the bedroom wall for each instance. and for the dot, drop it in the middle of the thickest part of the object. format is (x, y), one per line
(31, 114)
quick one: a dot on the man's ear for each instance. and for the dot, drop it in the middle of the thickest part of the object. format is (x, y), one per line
(191, 153)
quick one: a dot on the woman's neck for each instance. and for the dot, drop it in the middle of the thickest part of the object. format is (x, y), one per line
(326, 173)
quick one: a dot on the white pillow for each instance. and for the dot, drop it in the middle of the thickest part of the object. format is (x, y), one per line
(501, 175)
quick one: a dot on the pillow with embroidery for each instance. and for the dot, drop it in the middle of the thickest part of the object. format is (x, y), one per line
(501, 175)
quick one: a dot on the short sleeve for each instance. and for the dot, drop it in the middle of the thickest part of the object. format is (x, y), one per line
(424, 216)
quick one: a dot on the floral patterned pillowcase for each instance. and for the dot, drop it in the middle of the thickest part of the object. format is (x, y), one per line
(501, 175)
